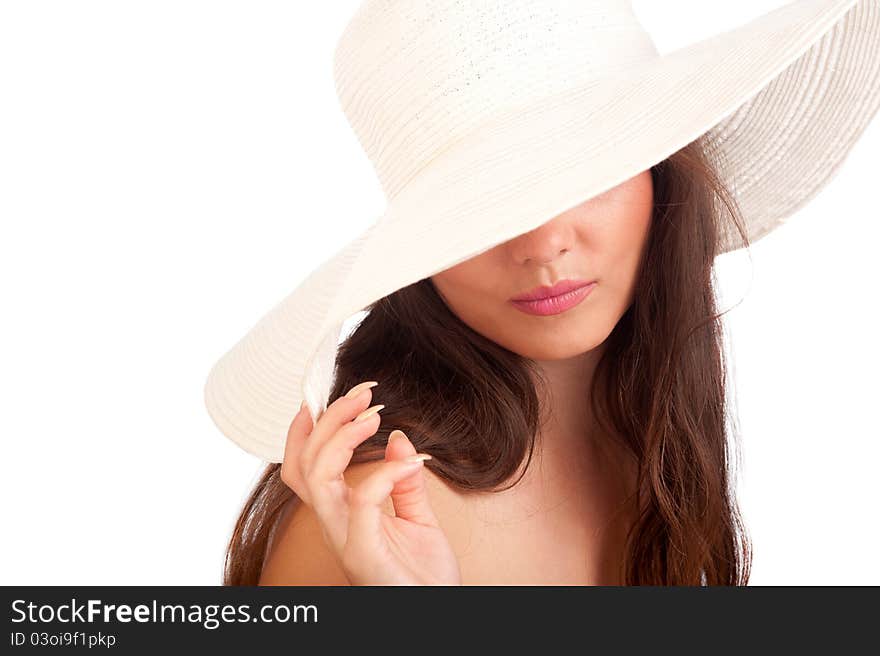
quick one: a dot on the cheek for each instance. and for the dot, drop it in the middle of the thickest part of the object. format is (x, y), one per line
(465, 288)
(623, 228)
(622, 250)
(477, 292)
(633, 235)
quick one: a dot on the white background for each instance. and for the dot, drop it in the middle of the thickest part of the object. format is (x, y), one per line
(169, 170)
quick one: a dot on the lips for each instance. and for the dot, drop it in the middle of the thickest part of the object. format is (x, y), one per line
(552, 305)
(561, 287)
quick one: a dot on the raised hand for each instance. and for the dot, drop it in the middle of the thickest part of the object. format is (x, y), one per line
(373, 548)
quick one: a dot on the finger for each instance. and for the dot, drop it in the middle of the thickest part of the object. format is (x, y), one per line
(334, 456)
(326, 488)
(308, 423)
(409, 495)
(340, 412)
(296, 434)
(365, 500)
(325, 479)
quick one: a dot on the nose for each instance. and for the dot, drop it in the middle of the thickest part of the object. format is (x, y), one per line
(545, 244)
(544, 259)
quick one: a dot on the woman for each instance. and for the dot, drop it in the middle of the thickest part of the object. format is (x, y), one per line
(577, 440)
(451, 355)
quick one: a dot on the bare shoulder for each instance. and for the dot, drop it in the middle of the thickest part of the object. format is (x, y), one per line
(300, 556)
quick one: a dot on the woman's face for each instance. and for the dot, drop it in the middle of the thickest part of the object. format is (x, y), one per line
(601, 239)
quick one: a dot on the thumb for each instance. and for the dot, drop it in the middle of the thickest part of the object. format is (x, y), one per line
(409, 495)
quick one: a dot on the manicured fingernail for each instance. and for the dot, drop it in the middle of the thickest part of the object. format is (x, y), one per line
(369, 412)
(395, 434)
(357, 389)
(417, 458)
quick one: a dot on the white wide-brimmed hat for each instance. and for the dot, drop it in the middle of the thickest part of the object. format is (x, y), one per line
(485, 119)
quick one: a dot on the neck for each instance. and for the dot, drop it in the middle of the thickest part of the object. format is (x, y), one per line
(569, 442)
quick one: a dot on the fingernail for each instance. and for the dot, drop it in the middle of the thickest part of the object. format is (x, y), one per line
(395, 434)
(369, 412)
(301, 406)
(417, 458)
(357, 389)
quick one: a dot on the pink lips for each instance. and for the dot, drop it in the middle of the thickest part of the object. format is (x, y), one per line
(544, 301)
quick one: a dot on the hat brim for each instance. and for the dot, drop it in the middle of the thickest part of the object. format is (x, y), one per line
(783, 98)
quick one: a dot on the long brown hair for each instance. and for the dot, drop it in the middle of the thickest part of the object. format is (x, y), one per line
(660, 386)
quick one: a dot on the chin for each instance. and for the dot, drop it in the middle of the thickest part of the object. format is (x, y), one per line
(554, 349)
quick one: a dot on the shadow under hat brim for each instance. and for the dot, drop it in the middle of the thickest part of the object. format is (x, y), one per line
(782, 98)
